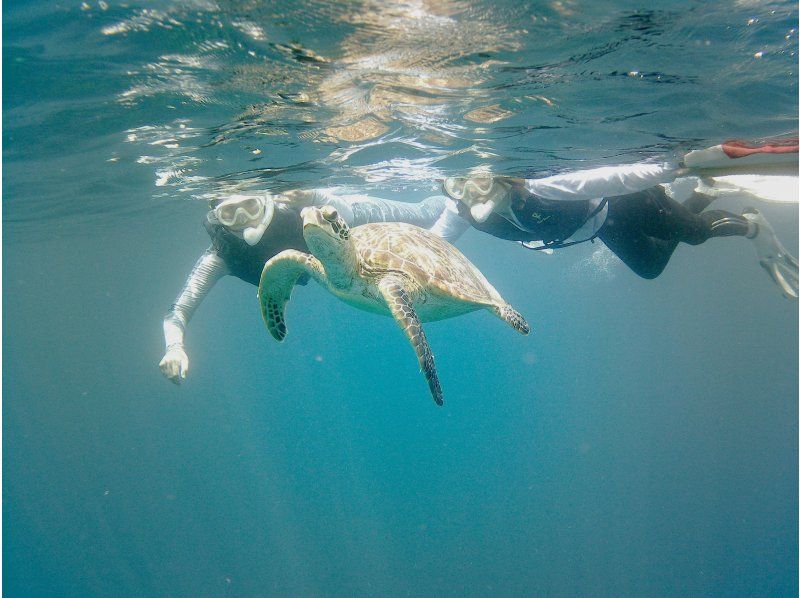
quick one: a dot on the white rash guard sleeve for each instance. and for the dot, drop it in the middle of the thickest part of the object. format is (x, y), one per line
(205, 273)
(608, 181)
(357, 209)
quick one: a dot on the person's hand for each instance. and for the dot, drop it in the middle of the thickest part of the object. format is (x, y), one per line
(537, 246)
(175, 364)
(297, 198)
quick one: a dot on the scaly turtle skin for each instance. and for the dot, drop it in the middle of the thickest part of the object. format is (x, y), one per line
(388, 268)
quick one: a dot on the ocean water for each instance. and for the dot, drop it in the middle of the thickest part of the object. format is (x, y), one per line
(642, 441)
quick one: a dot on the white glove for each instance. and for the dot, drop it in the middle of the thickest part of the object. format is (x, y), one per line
(175, 364)
(536, 245)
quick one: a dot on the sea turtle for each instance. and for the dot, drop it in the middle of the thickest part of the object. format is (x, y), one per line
(389, 268)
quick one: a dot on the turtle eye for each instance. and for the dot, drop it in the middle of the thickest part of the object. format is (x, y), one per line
(329, 213)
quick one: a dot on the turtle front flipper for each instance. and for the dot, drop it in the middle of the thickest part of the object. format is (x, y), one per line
(278, 278)
(399, 303)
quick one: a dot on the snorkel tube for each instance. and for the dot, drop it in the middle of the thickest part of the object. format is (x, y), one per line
(252, 234)
(483, 196)
(481, 211)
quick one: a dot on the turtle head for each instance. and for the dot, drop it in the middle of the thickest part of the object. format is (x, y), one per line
(323, 226)
(328, 237)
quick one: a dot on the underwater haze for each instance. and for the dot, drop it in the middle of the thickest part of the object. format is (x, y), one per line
(642, 441)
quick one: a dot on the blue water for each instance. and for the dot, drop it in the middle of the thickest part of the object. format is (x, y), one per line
(641, 442)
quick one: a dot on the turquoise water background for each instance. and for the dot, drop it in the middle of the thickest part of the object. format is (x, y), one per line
(641, 442)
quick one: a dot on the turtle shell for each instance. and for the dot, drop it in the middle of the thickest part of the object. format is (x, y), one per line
(428, 259)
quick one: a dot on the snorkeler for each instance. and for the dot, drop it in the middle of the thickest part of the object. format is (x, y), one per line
(626, 207)
(247, 230)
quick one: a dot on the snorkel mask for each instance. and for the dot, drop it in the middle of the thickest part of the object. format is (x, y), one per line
(250, 214)
(482, 195)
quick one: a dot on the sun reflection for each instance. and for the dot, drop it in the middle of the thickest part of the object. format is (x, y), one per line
(413, 72)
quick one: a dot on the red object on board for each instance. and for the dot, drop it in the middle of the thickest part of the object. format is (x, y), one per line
(739, 149)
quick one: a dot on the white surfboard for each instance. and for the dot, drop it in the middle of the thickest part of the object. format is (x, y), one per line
(766, 170)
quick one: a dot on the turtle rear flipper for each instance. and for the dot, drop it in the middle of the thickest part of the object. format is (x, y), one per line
(512, 317)
(278, 278)
(402, 309)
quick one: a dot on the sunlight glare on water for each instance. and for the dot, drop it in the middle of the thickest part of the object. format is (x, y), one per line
(396, 95)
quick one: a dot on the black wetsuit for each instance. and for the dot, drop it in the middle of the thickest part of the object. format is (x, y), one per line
(642, 229)
(247, 262)
(546, 220)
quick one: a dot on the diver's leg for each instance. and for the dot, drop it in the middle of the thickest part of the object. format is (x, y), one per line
(623, 235)
(664, 218)
(646, 256)
(697, 202)
(643, 229)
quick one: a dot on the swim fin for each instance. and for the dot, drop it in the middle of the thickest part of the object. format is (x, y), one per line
(773, 257)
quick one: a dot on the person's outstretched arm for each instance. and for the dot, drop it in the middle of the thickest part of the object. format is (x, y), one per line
(357, 208)
(608, 181)
(368, 209)
(437, 213)
(205, 273)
